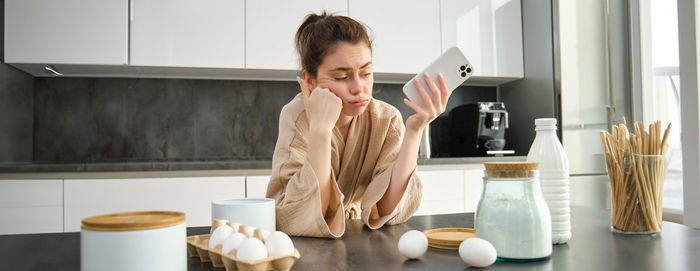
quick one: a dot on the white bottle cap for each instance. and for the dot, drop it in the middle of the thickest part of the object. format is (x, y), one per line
(545, 124)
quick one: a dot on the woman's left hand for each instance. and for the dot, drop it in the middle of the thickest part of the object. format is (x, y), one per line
(433, 103)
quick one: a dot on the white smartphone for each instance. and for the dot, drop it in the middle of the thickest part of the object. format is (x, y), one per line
(454, 67)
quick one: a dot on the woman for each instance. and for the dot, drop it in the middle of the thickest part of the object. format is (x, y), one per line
(340, 153)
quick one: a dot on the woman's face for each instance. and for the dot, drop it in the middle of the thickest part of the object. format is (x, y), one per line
(347, 72)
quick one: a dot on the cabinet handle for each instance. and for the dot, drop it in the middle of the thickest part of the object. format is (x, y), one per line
(52, 70)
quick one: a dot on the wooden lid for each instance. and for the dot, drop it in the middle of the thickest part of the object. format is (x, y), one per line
(511, 165)
(448, 238)
(511, 169)
(133, 221)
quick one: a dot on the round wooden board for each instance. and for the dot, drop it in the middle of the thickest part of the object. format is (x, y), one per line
(448, 238)
(443, 247)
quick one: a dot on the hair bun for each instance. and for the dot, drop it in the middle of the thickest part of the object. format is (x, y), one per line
(318, 33)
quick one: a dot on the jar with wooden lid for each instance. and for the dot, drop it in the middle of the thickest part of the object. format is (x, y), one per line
(148, 240)
(512, 213)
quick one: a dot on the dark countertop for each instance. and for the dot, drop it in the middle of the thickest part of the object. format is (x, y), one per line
(45, 167)
(592, 246)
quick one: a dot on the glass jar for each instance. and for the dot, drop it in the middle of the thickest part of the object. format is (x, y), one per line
(636, 186)
(512, 213)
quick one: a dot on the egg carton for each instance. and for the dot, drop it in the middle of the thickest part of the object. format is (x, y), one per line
(198, 246)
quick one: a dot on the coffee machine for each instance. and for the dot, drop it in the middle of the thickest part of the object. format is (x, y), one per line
(477, 129)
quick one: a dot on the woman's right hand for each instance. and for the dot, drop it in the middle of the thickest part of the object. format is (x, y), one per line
(323, 107)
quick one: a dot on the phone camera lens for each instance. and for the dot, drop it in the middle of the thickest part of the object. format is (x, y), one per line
(469, 70)
(462, 68)
(464, 74)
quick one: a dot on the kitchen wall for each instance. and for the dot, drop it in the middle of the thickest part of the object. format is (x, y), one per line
(128, 119)
(16, 108)
(534, 96)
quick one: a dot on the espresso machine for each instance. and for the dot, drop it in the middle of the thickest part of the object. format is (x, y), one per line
(477, 129)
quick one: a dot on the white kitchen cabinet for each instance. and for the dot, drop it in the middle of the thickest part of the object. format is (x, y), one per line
(191, 195)
(66, 32)
(590, 191)
(450, 191)
(31, 206)
(184, 33)
(443, 192)
(489, 32)
(271, 26)
(256, 186)
(406, 34)
(473, 187)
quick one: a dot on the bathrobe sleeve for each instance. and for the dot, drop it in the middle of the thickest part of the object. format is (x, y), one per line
(294, 185)
(410, 201)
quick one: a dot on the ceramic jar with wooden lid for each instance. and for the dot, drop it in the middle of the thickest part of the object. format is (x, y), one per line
(150, 240)
(512, 213)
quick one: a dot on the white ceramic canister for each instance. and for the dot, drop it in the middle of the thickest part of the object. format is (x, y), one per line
(135, 241)
(253, 212)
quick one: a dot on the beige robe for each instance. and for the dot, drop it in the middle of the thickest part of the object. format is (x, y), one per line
(361, 169)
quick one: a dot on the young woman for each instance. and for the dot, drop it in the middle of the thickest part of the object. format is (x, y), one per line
(341, 154)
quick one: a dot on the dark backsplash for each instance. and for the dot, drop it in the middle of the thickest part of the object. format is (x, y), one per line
(83, 120)
(16, 106)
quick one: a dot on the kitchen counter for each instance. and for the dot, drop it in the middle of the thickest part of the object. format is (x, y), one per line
(194, 168)
(592, 246)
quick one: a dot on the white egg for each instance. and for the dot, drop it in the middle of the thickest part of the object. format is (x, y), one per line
(413, 244)
(264, 233)
(250, 231)
(251, 249)
(220, 221)
(232, 242)
(234, 225)
(477, 252)
(219, 235)
(278, 243)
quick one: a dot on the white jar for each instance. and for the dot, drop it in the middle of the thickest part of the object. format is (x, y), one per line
(512, 215)
(135, 241)
(554, 176)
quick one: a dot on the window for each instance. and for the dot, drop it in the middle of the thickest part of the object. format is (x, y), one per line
(664, 81)
(661, 85)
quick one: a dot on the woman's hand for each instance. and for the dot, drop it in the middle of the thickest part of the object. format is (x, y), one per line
(322, 107)
(405, 164)
(433, 103)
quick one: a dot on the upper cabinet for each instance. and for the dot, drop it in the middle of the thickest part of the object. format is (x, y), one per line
(185, 33)
(252, 39)
(406, 34)
(66, 32)
(271, 26)
(488, 32)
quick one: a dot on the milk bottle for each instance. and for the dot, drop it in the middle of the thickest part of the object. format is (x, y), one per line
(554, 176)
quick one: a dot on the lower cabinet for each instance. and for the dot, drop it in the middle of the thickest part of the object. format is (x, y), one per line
(590, 191)
(450, 191)
(473, 187)
(256, 186)
(191, 195)
(444, 191)
(40, 206)
(31, 206)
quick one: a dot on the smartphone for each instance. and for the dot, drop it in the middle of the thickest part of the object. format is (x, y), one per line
(454, 67)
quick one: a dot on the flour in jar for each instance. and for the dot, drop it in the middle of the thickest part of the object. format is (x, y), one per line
(518, 227)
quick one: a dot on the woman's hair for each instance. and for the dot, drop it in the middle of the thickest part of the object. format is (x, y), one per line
(318, 34)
